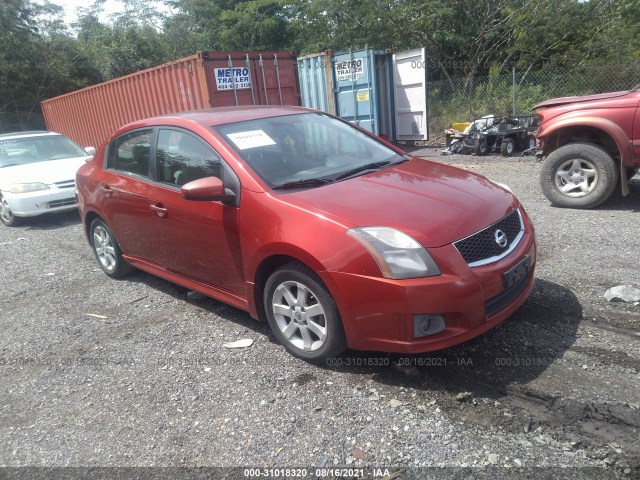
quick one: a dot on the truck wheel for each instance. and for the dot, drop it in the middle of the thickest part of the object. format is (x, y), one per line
(507, 147)
(578, 175)
(531, 142)
(480, 147)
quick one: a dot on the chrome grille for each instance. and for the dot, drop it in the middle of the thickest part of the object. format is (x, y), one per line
(66, 184)
(482, 247)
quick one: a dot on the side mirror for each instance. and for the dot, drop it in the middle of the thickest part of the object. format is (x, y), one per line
(90, 150)
(207, 189)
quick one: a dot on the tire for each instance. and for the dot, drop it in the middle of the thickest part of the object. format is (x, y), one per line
(6, 215)
(289, 294)
(107, 250)
(530, 142)
(480, 147)
(578, 175)
(508, 147)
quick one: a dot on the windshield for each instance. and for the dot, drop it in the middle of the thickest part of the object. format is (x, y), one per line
(306, 150)
(24, 150)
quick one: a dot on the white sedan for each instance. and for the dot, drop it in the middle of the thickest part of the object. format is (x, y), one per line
(37, 174)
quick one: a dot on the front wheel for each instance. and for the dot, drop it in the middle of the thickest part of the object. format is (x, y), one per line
(578, 175)
(6, 215)
(107, 250)
(302, 314)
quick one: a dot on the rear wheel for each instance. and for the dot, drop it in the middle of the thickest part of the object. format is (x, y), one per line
(107, 250)
(578, 175)
(507, 148)
(531, 142)
(6, 215)
(480, 147)
(302, 314)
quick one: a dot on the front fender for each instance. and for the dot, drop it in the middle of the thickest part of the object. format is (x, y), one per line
(617, 134)
(612, 129)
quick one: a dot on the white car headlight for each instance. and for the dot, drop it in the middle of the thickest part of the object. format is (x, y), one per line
(398, 255)
(27, 187)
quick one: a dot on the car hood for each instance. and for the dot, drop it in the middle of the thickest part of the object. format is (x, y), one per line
(434, 203)
(586, 98)
(48, 172)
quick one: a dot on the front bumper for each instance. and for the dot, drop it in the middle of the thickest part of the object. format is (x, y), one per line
(31, 204)
(378, 313)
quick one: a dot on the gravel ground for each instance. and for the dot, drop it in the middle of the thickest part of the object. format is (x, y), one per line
(98, 372)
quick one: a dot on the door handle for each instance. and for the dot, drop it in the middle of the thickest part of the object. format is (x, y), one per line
(159, 209)
(106, 189)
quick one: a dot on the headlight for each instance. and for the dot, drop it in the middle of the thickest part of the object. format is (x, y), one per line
(27, 187)
(398, 255)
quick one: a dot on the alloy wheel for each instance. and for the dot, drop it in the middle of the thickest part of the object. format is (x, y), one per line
(104, 248)
(5, 211)
(576, 178)
(299, 315)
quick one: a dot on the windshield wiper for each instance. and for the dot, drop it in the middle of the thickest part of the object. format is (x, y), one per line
(9, 165)
(307, 183)
(370, 167)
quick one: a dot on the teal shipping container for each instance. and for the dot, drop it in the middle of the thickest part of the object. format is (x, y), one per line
(315, 74)
(382, 92)
(362, 85)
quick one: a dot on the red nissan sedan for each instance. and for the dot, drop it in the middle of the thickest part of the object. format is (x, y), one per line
(333, 236)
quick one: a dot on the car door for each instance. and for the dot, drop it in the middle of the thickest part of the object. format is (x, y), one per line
(196, 239)
(123, 188)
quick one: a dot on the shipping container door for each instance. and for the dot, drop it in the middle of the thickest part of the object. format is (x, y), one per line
(254, 78)
(276, 79)
(410, 94)
(231, 80)
(316, 82)
(384, 78)
(356, 88)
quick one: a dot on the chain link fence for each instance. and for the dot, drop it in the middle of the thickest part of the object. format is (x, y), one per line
(19, 121)
(461, 100)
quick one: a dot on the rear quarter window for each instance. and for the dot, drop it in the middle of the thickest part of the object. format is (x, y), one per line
(130, 152)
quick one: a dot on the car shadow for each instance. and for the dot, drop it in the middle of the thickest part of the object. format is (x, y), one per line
(215, 307)
(630, 203)
(515, 352)
(51, 221)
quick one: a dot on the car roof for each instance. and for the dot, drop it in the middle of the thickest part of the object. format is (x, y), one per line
(27, 133)
(223, 115)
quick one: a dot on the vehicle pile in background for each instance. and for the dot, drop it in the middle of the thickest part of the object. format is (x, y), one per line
(491, 134)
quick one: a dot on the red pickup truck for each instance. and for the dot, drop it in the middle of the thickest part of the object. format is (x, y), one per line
(588, 144)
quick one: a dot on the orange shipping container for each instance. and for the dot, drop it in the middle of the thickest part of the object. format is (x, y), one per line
(207, 79)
